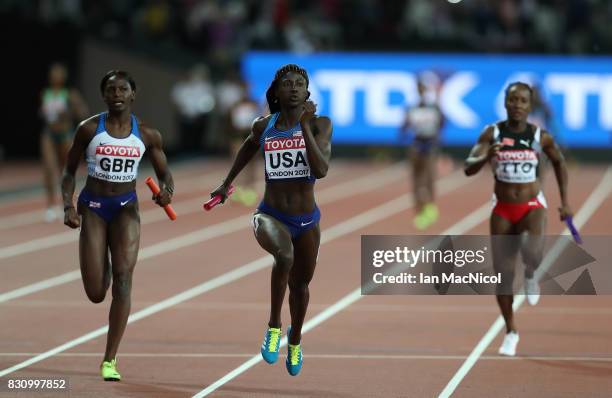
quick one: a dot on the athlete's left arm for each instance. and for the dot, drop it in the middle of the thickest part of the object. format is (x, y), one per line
(317, 131)
(550, 148)
(153, 141)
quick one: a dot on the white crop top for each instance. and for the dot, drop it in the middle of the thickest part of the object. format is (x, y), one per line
(114, 159)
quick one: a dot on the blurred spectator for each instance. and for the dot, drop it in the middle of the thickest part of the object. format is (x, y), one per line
(541, 113)
(221, 30)
(194, 99)
(60, 107)
(57, 10)
(239, 121)
(156, 19)
(229, 91)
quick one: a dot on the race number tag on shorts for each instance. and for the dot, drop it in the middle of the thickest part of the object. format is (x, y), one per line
(286, 157)
(516, 166)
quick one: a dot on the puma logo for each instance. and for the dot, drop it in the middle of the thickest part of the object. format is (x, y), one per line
(524, 142)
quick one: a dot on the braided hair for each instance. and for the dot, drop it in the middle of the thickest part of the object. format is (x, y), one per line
(519, 85)
(273, 103)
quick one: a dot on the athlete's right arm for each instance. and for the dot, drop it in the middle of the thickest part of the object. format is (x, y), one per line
(481, 153)
(247, 150)
(84, 133)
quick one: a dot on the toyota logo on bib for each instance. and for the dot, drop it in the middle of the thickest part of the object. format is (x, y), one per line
(286, 158)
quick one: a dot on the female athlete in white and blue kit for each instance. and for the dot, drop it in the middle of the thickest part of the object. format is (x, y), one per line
(113, 142)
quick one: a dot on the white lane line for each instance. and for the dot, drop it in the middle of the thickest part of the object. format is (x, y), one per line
(588, 209)
(187, 207)
(179, 170)
(179, 355)
(186, 184)
(328, 195)
(340, 305)
(43, 305)
(40, 286)
(21, 219)
(182, 207)
(192, 184)
(371, 216)
(471, 221)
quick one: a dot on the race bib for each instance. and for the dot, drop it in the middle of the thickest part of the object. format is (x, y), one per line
(286, 157)
(516, 166)
(117, 163)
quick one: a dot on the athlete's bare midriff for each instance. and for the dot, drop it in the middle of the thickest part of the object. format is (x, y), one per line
(290, 197)
(105, 188)
(516, 193)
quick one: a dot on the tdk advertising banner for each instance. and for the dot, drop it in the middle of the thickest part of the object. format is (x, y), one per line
(366, 95)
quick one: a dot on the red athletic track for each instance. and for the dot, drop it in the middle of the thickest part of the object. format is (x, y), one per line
(380, 346)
